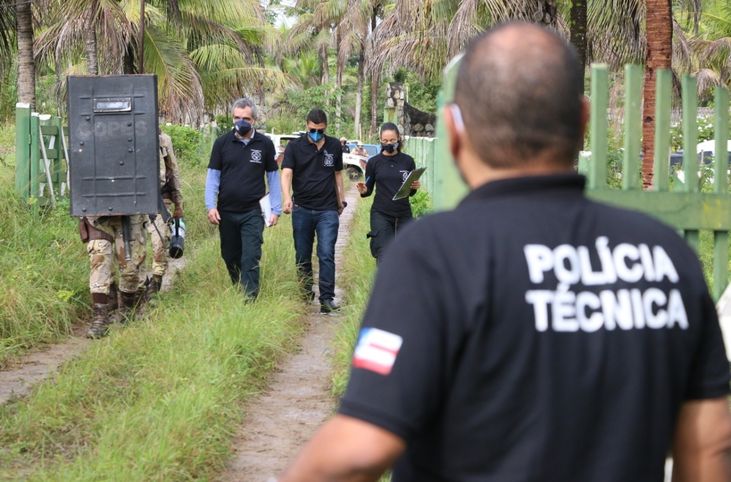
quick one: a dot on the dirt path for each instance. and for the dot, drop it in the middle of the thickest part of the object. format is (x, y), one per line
(32, 368)
(298, 398)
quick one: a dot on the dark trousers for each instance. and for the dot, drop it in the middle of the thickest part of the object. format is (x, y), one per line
(383, 229)
(307, 223)
(241, 240)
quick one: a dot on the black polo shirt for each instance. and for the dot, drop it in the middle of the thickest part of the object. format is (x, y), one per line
(534, 335)
(242, 169)
(387, 174)
(313, 177)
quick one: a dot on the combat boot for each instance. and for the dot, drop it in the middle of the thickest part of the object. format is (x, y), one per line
(113, 297)
(153, 286)
(114, 315)
(100, 322)
(129, 305)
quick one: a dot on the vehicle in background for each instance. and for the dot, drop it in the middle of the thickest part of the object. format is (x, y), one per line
(280, 142)
(354, 162)
(706, 152)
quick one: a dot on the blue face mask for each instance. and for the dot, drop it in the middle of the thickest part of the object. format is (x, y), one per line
(242, 127)
(315, 136)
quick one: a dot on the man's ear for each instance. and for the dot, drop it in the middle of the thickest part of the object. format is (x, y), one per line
(453, 138)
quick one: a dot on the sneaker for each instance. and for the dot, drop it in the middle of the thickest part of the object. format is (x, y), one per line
(328, 306)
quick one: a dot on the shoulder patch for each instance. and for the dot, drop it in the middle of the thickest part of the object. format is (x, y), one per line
(376, 350)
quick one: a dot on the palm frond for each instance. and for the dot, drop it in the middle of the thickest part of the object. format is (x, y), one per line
(179, 86)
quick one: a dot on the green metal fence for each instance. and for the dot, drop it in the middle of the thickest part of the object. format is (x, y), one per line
(41, 156)
(685, 206)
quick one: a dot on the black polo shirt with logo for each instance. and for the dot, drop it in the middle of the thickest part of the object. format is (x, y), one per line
(387, 174)
(534, 335)
(243, 167)
(313, 172)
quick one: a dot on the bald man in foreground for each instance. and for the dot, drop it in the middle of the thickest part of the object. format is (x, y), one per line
(530, 334)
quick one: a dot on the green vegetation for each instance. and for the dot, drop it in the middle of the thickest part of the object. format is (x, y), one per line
(358, 271)
(157, 400)
(43, 266)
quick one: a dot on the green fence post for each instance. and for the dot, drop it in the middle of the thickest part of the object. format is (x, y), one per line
(720, 186)
(22, 150)
(633, 76)
(690, 142)
(449, 187)
(599, 126)
(663, 105)
(690, 133)
(35, 155)
(59, 176)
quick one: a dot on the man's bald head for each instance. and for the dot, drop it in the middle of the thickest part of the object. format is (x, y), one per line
(519, 89)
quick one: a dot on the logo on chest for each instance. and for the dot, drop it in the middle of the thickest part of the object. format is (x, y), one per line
(256, 156)
(404, 175)
(329, 160)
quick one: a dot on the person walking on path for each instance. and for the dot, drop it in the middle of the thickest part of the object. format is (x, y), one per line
(105, 245)
(385, 173)
(312, 168)
(159, 228)
(241, 159)
(530, 334)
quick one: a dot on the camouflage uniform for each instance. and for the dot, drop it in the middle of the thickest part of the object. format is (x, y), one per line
(102, 251)
(105, 242)
(159, 229)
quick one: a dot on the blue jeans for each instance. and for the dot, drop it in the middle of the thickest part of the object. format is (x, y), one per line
(241, 239)
(306, 223)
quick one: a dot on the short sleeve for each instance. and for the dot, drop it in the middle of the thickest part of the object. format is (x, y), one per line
(288, 161)
(709, 375)
(339, 157)
(215, 162)
(398, 373)
(270, 162)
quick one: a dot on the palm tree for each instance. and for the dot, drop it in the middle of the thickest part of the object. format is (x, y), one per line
(26, 64)
(356, 27)
(204, 53)
(659, 34)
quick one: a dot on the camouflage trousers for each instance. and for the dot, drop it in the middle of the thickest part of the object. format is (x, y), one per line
(104, 255)
(159, 232)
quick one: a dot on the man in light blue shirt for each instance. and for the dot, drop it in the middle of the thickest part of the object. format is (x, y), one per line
(240, 160)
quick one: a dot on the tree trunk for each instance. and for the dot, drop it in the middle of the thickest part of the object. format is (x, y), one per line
(359, 94)
(141, 39)
(26, 65)
(128, 62)
(340, 66)
(578, 31)
(90, 48)
(659, 56)
(375, 81)
(324, 65)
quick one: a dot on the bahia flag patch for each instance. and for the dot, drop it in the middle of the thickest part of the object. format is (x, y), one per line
(376, 350)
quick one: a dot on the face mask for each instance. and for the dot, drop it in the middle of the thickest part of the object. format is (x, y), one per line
(315, 136)
(242, 127)
(389, 148)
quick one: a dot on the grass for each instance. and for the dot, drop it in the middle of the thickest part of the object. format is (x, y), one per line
(160, 399)
(43, 266)
(358, 270)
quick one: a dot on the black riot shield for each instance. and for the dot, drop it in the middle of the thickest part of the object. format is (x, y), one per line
(113, 145)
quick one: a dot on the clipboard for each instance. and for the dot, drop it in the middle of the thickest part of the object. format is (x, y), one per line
(405, 189)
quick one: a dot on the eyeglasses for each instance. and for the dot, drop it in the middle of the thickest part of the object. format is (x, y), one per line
(319, 131)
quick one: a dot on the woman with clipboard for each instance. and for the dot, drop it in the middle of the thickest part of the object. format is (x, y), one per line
(388, 171)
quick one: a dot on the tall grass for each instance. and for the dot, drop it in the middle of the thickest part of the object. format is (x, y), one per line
(160, 399)
(43, 267)
(358, 270)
